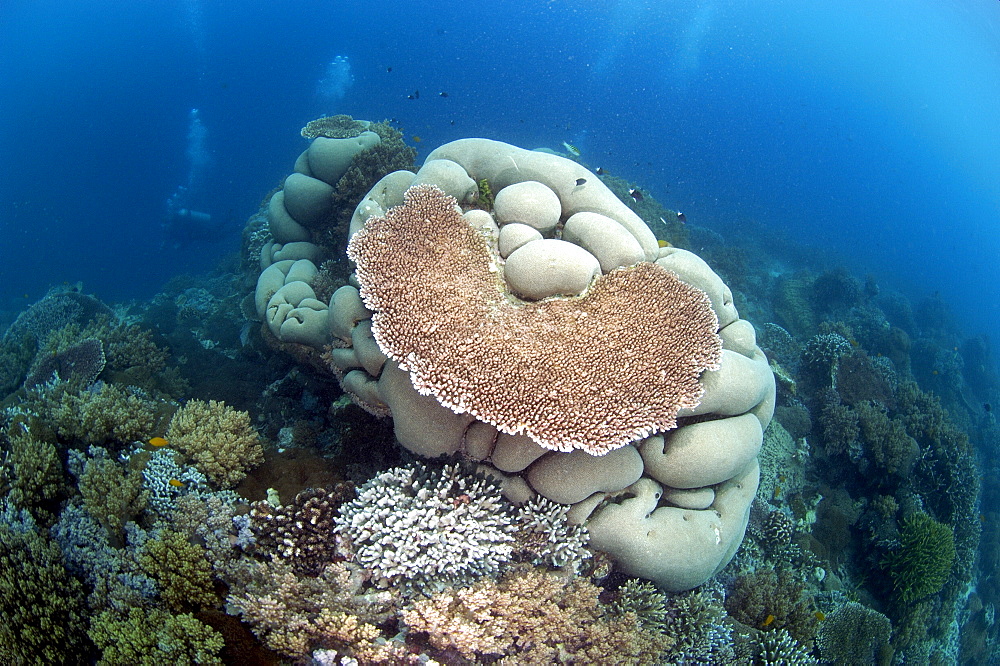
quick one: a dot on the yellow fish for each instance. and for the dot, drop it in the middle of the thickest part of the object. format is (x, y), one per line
(175, 483)
(768, 620)
(571, 149)
(158, 441)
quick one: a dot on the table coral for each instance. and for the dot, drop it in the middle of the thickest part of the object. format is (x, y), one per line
(219, 439)
(443, 313)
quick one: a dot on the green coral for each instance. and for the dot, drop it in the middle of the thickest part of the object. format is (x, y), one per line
(855, 634)
(181, 570)
(485, 200)
(154, 637)
(886, 440)
(219, 440)
(108, 414)
(921, 562)
(112, 496)
(644, 599)
(42, 606)
(37, 475)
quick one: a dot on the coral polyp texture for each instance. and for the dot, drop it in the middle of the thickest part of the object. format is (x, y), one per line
(545, 335)
(639, 338)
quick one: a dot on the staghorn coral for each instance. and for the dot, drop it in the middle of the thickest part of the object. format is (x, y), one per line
(855, 634)
(111, 495)
(41, 604)
(180, 569)
(294, 614)
(920, 563)
(423, 528)
(449, 321)
(532, 617)
(643, 599)
(300, 532)
(698, 623)
(151, 637)
(218, 439)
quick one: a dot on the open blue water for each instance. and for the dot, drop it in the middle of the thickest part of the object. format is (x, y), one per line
(868, 130)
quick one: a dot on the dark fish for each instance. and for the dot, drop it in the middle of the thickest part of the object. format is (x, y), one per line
(453, 122)
(681, 218)
(635, 194)
(580, 181)
(442, 94)
(415, 95)
(599, 171)
(988, 407)
(388, 69)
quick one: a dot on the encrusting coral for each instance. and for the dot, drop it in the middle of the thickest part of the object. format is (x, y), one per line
(533, 618)
(219, 440)
(640, 333)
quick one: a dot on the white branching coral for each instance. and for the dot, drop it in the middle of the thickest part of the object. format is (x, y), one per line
(425, 528)
(545, 536)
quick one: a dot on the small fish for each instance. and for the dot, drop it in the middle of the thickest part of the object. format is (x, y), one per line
(442, 94)
(414, 95)
(452, 122)
(158, 441)
(580, 181)
(599, 171)
(820, 615)
(681, 217)
(988, 407)
(175, 483)
(662, 243)
(635, 194)
(571, 149)
(388, 69)
(416, 139)
(768, 620)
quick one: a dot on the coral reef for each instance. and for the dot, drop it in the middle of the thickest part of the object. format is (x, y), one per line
(544, 536)
(424, 528)
(855, 634)
(81, 362)
(299, 532)
(181, 571)
(41, 604)
(218, 439)
(152, 637)
(774, 600)
(111, 495)
(536, 618)
(413, 299)
(338, 126)
(294, 615)
(920, 563)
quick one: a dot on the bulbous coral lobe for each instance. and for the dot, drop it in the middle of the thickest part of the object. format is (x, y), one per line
(593, 372)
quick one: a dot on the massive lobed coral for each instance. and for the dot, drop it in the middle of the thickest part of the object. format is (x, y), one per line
(547, 336)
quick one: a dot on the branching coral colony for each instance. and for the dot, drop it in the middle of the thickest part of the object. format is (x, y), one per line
(568, 508)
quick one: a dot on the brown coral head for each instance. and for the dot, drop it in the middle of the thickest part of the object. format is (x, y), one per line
(84, 360)
(593, 372)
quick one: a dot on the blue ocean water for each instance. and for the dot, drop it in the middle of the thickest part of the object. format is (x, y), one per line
(136, 138)
(866, 131)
